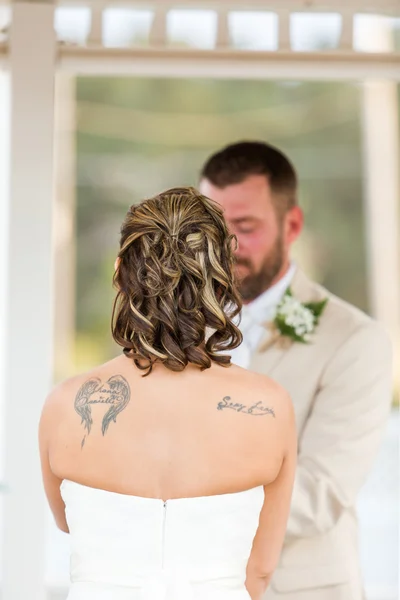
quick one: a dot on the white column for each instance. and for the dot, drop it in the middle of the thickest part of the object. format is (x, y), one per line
(28, 335)
(380, 126)
(4, 194)
(64, 225)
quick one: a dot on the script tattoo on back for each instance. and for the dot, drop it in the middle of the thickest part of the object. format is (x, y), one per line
(256, 410)
(115, 392)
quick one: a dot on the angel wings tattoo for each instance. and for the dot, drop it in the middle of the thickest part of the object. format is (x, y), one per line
(115, 392)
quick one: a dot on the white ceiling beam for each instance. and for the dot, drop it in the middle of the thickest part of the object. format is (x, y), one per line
(31, 2)
(170, 62)
(242, 64)
(372, 6)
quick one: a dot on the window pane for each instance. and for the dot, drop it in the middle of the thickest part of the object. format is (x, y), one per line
(72, 24)
(197, 28)
(124, 27)
(375, 33)
(311, 31)
(254, 30)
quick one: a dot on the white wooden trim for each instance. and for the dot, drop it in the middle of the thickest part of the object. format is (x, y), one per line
(28, 335)
(3, 55)
(223, 33)
(347, 32)
(158, 31)
(381, 194)
(64, 215)
(375, 6)
(168, 62)
(5, 102)
(223, 63)
(96, 28)
(381, 157)
(284, 40)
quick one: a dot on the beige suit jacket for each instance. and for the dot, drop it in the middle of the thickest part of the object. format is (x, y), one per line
(341, 387)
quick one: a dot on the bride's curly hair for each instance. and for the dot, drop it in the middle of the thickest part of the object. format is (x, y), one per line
(175, 283)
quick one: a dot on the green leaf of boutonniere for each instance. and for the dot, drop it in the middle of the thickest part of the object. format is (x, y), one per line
(317, 308)
(298, 320)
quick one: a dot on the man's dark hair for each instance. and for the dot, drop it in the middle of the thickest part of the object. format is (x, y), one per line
(234, 163)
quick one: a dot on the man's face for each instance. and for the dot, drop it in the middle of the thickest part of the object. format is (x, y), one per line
(263, 238)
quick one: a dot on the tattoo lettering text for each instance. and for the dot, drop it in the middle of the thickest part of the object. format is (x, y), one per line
(257, 409)
(115, 392)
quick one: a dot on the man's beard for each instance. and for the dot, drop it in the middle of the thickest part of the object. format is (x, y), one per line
(255, 283)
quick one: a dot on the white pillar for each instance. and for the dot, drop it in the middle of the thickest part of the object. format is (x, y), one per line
(380, 126)
(4, 194)
(64, 225)
(28, 335)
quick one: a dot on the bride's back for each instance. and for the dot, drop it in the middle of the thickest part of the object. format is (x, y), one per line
(177, 434)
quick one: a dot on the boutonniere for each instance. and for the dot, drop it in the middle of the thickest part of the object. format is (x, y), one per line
(298, 320)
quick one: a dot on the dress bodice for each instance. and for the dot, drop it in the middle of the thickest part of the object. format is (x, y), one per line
(134, 548)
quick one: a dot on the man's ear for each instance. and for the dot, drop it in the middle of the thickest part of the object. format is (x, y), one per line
(294, 220)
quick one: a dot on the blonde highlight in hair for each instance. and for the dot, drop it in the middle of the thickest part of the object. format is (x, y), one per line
(175, 282)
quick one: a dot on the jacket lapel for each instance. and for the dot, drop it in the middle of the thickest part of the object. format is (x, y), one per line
(274, 347)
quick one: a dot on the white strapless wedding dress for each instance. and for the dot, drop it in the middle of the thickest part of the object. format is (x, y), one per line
(131, 548)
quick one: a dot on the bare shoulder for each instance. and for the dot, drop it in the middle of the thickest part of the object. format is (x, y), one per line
(57, 397)
(262, 394)
(55, 407)
(67, 391)
(260, 412)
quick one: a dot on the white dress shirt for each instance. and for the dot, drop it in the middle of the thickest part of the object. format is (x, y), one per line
(255, 314)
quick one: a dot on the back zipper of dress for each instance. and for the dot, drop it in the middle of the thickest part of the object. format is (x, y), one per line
(163, 534)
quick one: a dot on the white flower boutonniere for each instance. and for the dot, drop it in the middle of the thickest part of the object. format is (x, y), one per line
(298, 320)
